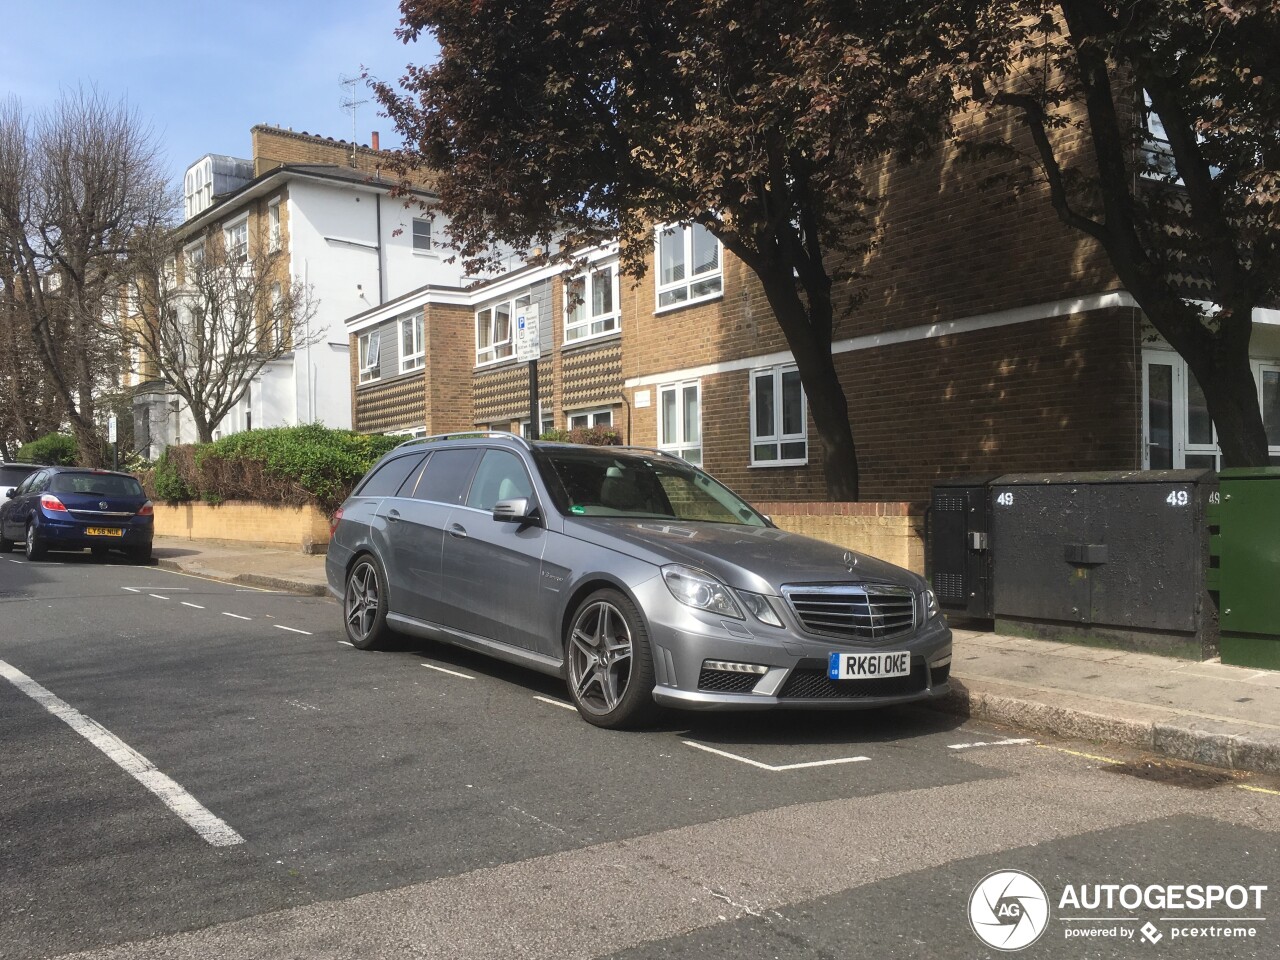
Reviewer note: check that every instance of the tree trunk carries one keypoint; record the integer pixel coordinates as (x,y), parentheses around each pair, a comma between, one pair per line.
(1226,377)
(811,348)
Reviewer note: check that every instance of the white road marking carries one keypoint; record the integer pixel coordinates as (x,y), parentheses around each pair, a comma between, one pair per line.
(11,560)
(768,766)
(131,589)
(281,626)
(214,830)
(236,615)
(195,605)
(989,743)
(346,643)
(452,673)
(556,703)
(195,576)
(157,596)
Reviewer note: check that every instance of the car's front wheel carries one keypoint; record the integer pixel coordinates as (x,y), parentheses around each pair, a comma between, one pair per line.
(610,666)
(364,605)
(34,548)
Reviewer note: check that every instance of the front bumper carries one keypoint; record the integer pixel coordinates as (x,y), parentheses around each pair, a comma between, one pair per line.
(683,640)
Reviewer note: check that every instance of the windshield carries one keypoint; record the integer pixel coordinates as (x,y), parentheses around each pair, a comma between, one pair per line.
(597,483)
(96,484)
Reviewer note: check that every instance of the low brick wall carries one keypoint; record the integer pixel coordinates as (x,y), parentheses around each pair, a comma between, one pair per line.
(267,525)
(890,531)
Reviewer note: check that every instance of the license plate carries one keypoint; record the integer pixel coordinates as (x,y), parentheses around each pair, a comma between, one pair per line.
(104,532)
(869,666)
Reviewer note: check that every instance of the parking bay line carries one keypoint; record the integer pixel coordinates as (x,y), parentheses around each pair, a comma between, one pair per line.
(452,673)
(990,743)
(771,767)
(555,703)
(236,615)
(211,828)
(281,626)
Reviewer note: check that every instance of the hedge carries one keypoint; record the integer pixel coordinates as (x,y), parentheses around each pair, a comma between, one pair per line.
(53,449)
(285,465)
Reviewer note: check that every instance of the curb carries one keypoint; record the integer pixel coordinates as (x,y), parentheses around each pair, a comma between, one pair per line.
(248,579)
(1178,741)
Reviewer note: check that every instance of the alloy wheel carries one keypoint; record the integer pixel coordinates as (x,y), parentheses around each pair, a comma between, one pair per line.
(361,602)
(600,656)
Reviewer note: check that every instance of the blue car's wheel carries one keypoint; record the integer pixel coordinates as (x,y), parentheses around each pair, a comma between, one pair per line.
(35,548)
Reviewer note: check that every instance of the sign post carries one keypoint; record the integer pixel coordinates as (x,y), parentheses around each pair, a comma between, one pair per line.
(528,348)
(115,443)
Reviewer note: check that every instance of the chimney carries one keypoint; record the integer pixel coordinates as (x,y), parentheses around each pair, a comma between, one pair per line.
(373,140)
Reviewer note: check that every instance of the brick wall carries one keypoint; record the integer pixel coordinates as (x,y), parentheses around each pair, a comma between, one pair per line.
(275,147)
(890,531)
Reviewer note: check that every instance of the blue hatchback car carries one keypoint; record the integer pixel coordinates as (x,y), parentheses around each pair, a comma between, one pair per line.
(74,508)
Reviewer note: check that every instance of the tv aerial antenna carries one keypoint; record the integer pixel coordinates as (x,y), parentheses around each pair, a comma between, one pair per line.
(352,103)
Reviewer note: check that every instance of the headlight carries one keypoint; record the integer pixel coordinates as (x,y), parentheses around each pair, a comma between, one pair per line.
(697,588)
(930,604)
(760,608)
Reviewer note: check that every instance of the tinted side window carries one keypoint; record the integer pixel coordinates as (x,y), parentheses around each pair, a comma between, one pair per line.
(26,484)
(386,480)
(501,477)
(37,483)
(444,478)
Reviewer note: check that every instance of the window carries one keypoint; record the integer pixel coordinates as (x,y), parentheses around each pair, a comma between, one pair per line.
(548,424)
(421,235)
(592,309)
(194,256)
(236,239)
(591,418)
(411,352)
(689,267)
(389,477)
(680,420)
(1269,390)
(277,317)
(493,330)
(369,350)
(444,479)
(778,426)
(273,226)
(501,476)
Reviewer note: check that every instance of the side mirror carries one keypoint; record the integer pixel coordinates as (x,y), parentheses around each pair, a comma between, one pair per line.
(518,510)
(10,492)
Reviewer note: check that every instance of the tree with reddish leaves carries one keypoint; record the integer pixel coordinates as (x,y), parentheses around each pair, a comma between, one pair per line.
(1178,104)
(556,124)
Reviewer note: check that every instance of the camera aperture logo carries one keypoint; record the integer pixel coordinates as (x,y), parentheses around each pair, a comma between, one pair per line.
(1008,910)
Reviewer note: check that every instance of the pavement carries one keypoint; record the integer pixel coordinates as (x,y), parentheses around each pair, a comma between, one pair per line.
(1203,712)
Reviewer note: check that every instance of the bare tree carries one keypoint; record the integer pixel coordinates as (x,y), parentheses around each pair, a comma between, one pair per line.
(213,317)
(77,183)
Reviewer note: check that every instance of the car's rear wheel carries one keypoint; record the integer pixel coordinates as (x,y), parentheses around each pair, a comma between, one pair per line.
(364,605)
(34,546)
(610,666)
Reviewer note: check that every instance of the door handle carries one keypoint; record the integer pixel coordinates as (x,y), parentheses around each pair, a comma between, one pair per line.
(394,516)
(458,531)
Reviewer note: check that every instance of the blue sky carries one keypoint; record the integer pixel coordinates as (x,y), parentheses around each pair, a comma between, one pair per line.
(202,79)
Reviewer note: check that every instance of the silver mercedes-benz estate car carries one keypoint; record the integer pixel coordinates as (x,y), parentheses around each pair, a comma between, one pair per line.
(632,574)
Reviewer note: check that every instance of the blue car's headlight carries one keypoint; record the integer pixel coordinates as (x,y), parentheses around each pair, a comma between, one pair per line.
(697,588)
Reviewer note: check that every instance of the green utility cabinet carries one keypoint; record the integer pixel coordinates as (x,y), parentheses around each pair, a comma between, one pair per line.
(1247,577)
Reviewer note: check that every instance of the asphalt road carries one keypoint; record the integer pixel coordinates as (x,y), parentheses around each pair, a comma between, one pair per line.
(192,769)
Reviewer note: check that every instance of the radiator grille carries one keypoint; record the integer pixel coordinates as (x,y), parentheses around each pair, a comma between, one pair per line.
(812,683)
(854,611)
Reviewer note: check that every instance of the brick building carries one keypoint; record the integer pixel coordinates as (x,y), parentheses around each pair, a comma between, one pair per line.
(988,338)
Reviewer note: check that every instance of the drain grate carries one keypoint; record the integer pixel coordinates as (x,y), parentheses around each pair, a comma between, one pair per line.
(1173,774)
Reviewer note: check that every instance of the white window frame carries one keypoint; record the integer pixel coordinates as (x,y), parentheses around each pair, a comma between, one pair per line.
(548,424)
(689,280)
(193,254)
(1180,412)
(273,226)
(413,236)
(415,359)
(236,249)
(277,320)
(369,352)
(681,446)
(580,324)
(499,351)
(778,438)
(1259,367)
(593,417)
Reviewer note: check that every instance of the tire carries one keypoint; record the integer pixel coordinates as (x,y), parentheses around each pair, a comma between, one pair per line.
(615,690)
(364,605)
(35,550)
(140,555)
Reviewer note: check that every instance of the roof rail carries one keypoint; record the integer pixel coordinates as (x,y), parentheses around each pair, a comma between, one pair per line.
(490,434)
(654,450)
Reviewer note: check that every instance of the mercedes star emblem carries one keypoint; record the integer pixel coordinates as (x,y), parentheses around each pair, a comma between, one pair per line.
(850,561)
